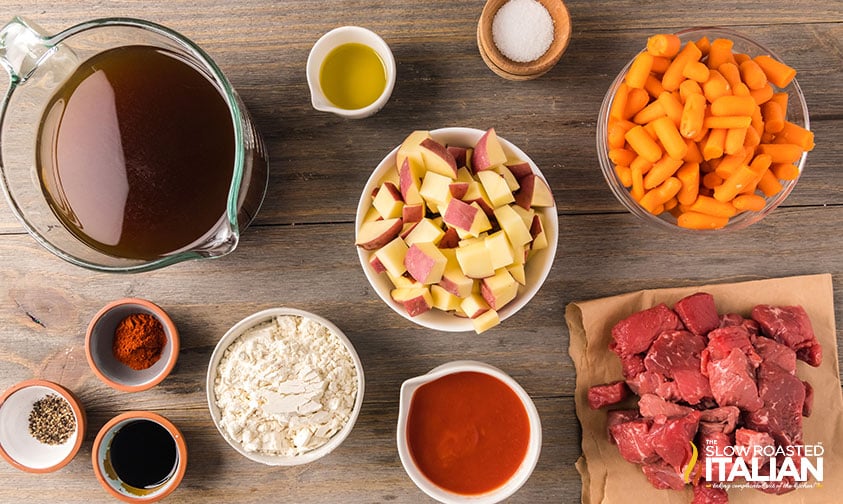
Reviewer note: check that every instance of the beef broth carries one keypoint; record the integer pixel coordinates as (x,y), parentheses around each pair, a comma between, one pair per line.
(136,153)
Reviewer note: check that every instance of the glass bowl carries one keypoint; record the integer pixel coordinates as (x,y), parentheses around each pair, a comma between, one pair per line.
(797,113)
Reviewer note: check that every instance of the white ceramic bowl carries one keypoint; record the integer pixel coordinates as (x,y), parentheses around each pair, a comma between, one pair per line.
(522,474)
(537,268)
(18,446)
(105,472)
(323,47)
(98,346)
(235,332)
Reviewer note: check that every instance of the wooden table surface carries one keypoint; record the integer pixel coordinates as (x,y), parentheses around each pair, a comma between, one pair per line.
(300,251)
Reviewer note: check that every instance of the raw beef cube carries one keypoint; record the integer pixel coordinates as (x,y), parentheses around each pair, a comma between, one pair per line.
(635,334)
(698,313)
(773,352)
(652,405)
(608,394)
(734,319)
(789,325)
(704,493)
(632,365)
(633,439)
(615,417)
(813,354)
(808,405)
(676,356)
(755,442)
(671,438)
(713,444)
(733,382)
(649,382)
(662,476)
(722,419)
(721,341)
(780,416)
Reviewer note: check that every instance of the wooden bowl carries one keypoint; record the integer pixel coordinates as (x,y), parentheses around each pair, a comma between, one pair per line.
(513,70)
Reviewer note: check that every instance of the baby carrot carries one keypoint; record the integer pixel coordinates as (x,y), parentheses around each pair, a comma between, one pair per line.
(731,73)
(662,169)
(637,189)
(727,122)
(781,99)
(693,114)
(666,45)
(712,206)
(720,52)
(660,64)
(733,106)
(752,139)
(704,45)
(638,71)
(740,89)
(777,72)
(696,71)
(749,202)
(729,164)
(624,174)
(643,144)
(689,175)
(781,153)
(636,100)
(785,171)
(649,113)
(693,155)
(671,204)
(769,184)
(687,88)
(795,134)
(740,58)
(773,117)
(617,129)
(736,182)
(660,195)
(752,75)
(653,86)
(619,101)
(672,77)
(672,106)
(621,157)
(762,94)
(711,180)
(670,138)
(734,140)
(714,143)
(696,220)
(716,86)
(641,164)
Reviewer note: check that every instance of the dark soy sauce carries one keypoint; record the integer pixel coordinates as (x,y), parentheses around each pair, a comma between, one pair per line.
(143,454)
(136,153)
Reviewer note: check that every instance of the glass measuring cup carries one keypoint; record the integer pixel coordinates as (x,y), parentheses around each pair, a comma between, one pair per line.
(38,65)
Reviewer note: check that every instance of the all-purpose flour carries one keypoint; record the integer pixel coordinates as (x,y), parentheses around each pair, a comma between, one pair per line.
(285,387)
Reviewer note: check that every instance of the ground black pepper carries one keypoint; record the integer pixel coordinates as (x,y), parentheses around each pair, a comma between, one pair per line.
(51,420)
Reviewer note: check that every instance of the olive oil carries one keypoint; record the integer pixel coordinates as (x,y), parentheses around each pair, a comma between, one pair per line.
(136,153)
(352,76)
(143,454)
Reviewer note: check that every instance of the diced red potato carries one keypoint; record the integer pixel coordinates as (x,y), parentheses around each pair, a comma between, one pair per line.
(460,154)
(458,189)
(437,158)
(412,213)
(600,396)
(488,152)
(375,234)
(416,300)
(533,192)
(409,184)
(376,264)
(450,239)
(425,263)
(520,170)
(460,214)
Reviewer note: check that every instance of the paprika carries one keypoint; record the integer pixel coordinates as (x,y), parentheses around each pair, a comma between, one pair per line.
(139,340)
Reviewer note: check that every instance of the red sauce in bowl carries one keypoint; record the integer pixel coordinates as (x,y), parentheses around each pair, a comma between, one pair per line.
(467,432)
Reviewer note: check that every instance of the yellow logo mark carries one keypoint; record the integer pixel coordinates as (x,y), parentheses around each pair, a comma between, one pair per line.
(691,463)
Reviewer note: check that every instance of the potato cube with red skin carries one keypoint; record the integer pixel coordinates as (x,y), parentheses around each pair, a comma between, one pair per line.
(508,176)
(474,305)
(424,231)
(458,189)
(425,262)
(377,233)
(475,260)
(485,321)
(376,264)
(444,300)
(518,273)
(391,256)
(437,158)
(496,188)
(469,218)
(409,182)
(500,250)
(476,194)
(608,394)
(499,289)
(416,300)
(410,148)
(453,279)
(534,192)
(512,224)
(488,152)
(520,169)
(436,188)
(450,239)
(388,201)
(412,213)
(460,155)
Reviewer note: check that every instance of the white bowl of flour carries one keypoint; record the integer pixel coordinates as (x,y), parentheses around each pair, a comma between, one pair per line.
(284,386)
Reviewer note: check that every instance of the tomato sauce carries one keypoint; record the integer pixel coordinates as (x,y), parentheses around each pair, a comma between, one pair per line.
(468,432)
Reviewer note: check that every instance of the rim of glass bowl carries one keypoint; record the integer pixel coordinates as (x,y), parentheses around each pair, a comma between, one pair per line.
(797,112)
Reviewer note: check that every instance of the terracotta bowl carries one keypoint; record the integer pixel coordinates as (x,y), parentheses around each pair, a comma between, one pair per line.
(18,446)
(108,477)
(98,346)
(514,70)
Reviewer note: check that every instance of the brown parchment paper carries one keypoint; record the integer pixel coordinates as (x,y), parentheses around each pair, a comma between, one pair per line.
(607,478)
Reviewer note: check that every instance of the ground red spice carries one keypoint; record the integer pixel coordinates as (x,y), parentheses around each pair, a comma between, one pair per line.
(139,340)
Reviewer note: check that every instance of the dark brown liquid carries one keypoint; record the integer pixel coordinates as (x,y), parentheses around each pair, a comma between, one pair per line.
(136,153)
(143,454)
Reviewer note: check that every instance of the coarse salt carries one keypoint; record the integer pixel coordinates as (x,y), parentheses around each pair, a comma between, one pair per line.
(285,387)
(522,30)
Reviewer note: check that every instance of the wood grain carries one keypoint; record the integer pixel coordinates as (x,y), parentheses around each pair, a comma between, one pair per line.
(300,253)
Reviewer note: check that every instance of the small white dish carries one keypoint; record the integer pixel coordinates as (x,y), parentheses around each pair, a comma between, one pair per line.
(522,474)
(18,446)
(327,43)
(235,332)
(536,269)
